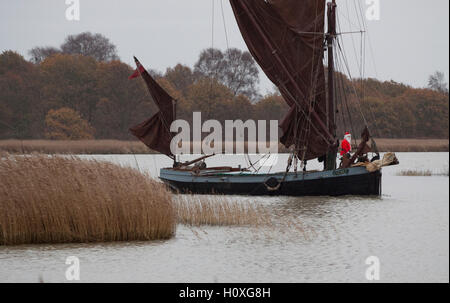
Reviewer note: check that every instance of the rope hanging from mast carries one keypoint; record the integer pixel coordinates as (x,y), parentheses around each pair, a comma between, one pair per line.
(344,67)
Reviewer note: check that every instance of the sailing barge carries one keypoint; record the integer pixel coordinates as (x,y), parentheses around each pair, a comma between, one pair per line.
(287,39)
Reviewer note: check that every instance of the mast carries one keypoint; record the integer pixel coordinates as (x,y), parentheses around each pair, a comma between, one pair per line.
(331,105)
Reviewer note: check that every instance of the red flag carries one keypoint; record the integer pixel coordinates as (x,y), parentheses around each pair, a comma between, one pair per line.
(137,72)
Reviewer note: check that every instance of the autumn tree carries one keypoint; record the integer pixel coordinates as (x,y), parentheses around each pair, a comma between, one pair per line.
(431,112)
(376,88)
(121,102)
(181,77)
(19,96)
(101,94)
(67,124)
(87,44)
(271,107)
(241,108)
(209,97)
(70,81)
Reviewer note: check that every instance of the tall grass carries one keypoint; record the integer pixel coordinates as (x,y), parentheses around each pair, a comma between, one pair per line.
(194,210)
(59,200)
(444,172)
(55,199)
(130,147)
(422,173)
(415,173)
(413,145)
(77,147)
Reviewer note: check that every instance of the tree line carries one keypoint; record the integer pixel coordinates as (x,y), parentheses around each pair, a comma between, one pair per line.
(81,91)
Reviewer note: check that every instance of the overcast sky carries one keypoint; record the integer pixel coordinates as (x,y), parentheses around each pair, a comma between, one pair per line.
(410,41)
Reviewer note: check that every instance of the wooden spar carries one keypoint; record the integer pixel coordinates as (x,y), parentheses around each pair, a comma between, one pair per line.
(331,102)
(362,148)
(330,137)
(330,40)
(178,164)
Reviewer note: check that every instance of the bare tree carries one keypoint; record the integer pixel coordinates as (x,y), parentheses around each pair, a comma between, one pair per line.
(39,54)
(210,64)
(234,68)
(241,73)
(87,44)
(437,82)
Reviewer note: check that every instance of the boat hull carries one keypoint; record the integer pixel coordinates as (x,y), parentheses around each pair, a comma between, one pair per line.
(352,181)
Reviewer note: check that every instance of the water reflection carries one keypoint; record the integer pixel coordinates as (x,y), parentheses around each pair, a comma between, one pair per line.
(318,206)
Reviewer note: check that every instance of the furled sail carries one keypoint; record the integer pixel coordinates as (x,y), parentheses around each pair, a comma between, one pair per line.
(155,132)
(286,38)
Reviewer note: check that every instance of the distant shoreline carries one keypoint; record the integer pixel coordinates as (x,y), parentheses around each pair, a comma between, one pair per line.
(135,147)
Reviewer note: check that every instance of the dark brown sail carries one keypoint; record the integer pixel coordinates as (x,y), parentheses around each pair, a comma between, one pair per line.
(155,132)
(286,38)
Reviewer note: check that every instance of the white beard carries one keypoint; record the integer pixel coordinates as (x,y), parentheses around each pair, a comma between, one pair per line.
(348,138)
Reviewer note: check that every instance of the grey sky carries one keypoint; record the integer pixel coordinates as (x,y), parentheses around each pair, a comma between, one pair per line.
(410,41)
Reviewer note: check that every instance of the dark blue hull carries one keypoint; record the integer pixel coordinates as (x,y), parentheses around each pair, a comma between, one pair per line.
(353,181)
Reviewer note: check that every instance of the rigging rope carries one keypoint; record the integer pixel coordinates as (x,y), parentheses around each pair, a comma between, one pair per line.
(345,97)
(346,65)
(375,69)
(212,24)
(341,76)
(365,35)
(224,25)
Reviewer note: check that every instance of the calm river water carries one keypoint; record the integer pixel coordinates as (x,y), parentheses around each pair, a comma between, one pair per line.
(407,229)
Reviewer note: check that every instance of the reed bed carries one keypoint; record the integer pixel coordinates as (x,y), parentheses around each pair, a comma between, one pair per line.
(415,173)
(413,145)
(194,210)
(49,199)
(423,173)
(444,173)
(76,147)
(135,147)
(55,199)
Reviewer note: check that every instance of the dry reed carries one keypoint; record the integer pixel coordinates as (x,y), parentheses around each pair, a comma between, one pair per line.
(444,173)
(64,199)
(77,147)
(219,211)
(415,173)
(413,145)
(54,199)
(130,147)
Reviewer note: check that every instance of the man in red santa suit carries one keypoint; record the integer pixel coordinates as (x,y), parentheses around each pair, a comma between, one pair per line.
(346,145)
